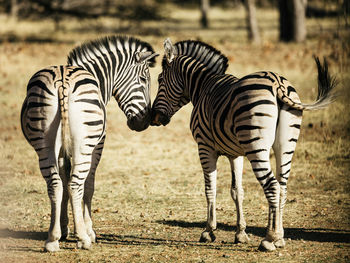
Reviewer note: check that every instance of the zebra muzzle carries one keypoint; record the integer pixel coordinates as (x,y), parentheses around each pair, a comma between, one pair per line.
(159,118)
(155,121)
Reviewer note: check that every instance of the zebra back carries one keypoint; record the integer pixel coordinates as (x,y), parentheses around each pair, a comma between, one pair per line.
(107,57)
(210,57)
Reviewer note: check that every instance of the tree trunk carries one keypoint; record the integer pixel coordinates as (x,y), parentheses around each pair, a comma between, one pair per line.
(292,20)
(14,9)
(253,29)
(204,10)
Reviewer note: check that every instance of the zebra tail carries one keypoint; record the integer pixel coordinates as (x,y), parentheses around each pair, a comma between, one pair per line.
(325,96)
(326,85)
(65,129)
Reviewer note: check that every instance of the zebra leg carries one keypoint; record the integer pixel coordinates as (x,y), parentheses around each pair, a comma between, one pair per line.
(89,190)
(208,162)
(260,162)
(287,135)
(54,184)
(76,191)
(237,194)
(64,168)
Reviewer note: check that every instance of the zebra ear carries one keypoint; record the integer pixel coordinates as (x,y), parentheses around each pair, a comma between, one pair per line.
(143,56)
(169,50)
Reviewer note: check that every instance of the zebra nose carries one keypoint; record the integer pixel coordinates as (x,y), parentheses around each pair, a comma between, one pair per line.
(159,118)
(140,122)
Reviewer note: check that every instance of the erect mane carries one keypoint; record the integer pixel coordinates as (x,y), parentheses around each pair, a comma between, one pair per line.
(216,62)
(121,44)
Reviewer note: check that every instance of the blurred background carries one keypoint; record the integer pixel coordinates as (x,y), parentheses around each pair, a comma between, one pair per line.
(161,17)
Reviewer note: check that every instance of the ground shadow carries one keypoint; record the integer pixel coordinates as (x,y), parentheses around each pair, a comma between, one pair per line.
(131,240)
(33,235)
(307,234)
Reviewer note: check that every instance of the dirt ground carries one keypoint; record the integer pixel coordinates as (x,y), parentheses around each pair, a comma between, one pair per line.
(149,204)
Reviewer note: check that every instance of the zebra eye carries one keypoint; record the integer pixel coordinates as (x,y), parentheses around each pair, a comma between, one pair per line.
(143,79)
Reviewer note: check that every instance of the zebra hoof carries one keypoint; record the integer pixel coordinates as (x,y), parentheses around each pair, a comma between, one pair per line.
(241,237)
(280,243)
(52,246)
(84,244)
(65,233)
(92,236)
(267,246)
(207,237)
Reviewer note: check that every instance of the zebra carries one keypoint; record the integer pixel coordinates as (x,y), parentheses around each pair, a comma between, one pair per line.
(63,118)
(237,117)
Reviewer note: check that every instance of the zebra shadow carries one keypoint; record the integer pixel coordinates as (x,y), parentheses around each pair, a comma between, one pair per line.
(144,241)
(32,235)
(307,234)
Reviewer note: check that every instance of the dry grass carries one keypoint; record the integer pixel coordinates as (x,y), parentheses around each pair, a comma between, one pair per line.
(149,203)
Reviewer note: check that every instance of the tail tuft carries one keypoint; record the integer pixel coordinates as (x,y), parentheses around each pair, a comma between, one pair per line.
(326,86)
(326,82)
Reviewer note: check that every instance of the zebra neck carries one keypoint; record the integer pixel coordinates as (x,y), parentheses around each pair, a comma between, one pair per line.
(195,78)
(109,74)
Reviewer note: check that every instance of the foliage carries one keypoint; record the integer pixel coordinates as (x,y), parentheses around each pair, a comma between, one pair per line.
(133,10)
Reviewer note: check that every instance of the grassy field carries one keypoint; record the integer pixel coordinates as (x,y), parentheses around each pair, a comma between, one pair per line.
(149,203)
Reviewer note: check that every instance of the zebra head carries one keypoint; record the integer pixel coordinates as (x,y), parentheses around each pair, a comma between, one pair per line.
(171,94)
(120,65)
(134,97)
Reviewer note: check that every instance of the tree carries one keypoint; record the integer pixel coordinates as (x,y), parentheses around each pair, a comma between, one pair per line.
(205,4)
(14,9)
(253,30)
(292,20)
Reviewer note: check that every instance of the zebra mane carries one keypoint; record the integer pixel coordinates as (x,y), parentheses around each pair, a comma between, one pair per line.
(120,44)
(210,57)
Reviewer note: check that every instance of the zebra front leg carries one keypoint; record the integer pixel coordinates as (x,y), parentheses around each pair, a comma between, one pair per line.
(209,168)
(237,194)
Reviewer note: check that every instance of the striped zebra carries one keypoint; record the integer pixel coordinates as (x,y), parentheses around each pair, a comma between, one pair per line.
(63,117)
(235,118)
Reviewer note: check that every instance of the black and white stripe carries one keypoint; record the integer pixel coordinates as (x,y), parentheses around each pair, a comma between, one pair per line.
(237,117)
(63,117)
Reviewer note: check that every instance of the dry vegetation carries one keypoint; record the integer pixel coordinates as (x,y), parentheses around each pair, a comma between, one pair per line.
(149,203)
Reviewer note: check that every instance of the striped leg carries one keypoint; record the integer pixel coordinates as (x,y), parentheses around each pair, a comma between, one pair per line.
(89,190)
(208,162)
(237,194)
(80,169)
(87,125)
(260,162)
(49,171)
(64,168)
(287,135)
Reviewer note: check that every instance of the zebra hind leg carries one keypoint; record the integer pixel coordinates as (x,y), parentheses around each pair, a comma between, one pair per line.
(89,190)
(287,135)
(54,184)
(64,168)
(76,192)
(237,194)
(260,162)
